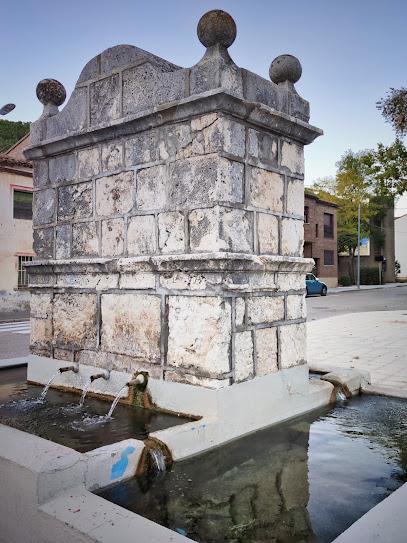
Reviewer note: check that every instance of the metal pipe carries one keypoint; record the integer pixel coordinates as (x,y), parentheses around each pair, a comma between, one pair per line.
(137,381)
(75,369)
(105,375)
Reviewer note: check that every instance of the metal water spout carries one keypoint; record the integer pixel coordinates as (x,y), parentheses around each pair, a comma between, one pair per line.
(140,379)
(136,381)
(75,369)
(105,374)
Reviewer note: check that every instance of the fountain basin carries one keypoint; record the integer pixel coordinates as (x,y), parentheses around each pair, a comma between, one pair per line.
(307,479)
(61,419)
(52,484)
(225,413)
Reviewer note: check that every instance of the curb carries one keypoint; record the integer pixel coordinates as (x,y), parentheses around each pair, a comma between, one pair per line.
(354,288)
(378,390)
(7,363)
(10,321)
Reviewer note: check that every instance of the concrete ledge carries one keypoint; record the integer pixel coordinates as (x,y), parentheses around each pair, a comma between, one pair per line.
(55,467)
(45,499)
(103,521)
(385,391)
(356,378)
(350,381)
(272,399)
(13,362)
(385,522)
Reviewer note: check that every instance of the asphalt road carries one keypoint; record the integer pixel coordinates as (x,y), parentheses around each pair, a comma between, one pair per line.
(341,303)
(14,339)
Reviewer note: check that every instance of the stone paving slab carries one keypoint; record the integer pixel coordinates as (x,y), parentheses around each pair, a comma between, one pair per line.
(375,341)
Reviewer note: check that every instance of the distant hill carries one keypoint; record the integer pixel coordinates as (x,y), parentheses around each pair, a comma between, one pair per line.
(11,132)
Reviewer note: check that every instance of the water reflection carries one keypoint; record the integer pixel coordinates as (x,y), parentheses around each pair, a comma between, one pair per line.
(304,481)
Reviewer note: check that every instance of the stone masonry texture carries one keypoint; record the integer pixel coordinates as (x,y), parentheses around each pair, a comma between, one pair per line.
(168,221)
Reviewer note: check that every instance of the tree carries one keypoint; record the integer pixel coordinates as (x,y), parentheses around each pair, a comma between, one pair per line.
(394,110)
(11,132)
(387,169)
(351,185)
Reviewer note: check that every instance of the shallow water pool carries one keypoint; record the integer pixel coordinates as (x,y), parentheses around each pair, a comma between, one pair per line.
(59,417)
(306,480)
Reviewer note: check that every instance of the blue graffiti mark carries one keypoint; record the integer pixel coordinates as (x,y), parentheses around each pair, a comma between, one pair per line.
(197,427)
(181,531)
(119,468)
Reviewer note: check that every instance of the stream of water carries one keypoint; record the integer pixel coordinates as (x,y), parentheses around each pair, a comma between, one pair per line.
(116,401)
(158,459)
(45,390)
(84,392)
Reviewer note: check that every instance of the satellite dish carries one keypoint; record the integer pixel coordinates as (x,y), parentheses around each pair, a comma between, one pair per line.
(7,108)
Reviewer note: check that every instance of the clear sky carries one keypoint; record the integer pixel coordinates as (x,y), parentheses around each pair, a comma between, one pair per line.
(351,51)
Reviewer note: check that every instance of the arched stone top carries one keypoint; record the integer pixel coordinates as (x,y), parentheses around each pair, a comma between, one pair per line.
(124,82)
(117,57)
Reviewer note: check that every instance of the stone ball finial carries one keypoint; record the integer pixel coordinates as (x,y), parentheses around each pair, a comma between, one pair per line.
(285,68)
(51,92)
(216,27)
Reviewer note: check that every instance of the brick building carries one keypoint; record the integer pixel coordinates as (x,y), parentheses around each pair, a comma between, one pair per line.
(372,254)
(320,238)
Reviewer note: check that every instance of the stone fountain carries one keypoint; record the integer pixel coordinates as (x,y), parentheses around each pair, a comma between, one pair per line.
(168,233)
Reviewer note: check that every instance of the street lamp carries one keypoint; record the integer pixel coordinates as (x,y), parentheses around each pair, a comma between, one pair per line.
(6,109)
(358,273)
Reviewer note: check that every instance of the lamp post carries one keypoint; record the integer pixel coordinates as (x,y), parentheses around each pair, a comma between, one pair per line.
(358,272)
(6,109)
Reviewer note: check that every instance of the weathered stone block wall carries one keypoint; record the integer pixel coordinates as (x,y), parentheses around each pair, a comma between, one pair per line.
(168,221)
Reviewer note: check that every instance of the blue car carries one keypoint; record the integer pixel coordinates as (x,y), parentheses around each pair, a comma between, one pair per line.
(314,285)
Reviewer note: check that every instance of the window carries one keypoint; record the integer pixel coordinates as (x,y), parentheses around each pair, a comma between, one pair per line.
(329,258)
(22,205)
(22,272)
(316,230)
(328,225)
(306,212)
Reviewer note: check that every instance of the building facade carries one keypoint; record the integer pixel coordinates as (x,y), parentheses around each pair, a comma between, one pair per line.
(320,238)
(375,253)
(16,186)
(400,241)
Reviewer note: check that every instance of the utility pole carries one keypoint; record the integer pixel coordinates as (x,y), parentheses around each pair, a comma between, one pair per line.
(358,272)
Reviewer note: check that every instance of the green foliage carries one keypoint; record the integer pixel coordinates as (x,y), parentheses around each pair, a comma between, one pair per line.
(394,110)
(347,240)
(370,275)
(387,169)
(345,281)
(349,187)
(358,180)
(397,267)
(11,132)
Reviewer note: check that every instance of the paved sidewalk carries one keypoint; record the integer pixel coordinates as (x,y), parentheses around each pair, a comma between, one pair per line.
(366,287)
(374,341)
